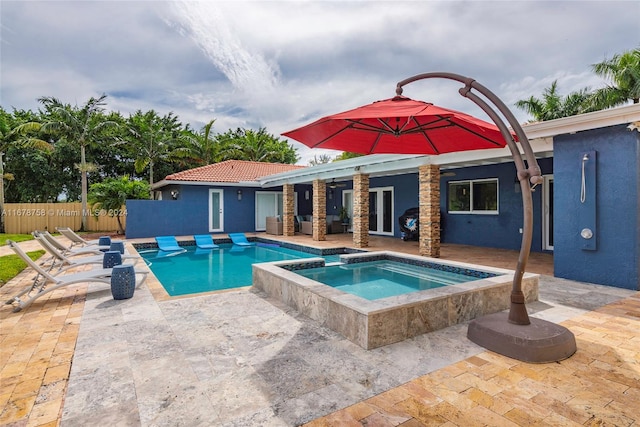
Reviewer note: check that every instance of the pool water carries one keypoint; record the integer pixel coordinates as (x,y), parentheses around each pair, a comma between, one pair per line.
(380,279)
(198,270)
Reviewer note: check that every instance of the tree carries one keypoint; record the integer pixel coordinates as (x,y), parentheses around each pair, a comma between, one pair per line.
(345,155)
(624,71)
(554,106)
(80,127)
(320,160)
(257,146)
(154,139)
(202,147)
(18,136)
(112,193)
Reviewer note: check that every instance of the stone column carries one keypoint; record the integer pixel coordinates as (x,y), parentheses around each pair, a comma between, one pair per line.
(361,210)
(288,224)
(429,195)
(319,210)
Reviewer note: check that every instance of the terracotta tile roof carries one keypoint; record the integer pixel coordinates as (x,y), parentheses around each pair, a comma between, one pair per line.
(231,171)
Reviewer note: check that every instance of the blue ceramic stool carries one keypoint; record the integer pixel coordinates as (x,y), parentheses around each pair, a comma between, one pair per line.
(111,259)
(117,246)
(123,281)
(104,241)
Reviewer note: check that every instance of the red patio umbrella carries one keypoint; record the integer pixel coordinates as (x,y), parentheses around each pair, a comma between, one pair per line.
(399,125)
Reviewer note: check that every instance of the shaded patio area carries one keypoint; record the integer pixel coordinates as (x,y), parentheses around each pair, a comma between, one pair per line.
(235,358)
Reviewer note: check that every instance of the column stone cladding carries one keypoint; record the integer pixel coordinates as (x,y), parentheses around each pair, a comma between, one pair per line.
(319,223)
(429,189)
(288,224)
(361,210)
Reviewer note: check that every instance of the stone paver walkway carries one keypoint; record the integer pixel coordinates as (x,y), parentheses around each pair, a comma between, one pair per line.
(459,385)
(598,386)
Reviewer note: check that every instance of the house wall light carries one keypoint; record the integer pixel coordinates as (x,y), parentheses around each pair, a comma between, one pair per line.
(175,194)
(306,195)
(239,194)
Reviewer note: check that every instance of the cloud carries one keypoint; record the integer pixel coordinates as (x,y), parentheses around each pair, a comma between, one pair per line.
(282,64)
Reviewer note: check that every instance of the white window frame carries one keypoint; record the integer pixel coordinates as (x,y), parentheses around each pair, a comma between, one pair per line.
(471,211)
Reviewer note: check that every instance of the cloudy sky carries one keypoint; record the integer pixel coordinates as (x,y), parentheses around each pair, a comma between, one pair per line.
(283,64)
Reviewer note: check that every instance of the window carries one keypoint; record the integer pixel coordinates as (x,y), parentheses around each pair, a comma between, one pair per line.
(476,196)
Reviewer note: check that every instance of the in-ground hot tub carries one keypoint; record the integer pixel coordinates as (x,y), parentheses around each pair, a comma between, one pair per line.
(378,322)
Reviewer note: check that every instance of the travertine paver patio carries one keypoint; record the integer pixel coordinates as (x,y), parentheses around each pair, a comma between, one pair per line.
(235,358)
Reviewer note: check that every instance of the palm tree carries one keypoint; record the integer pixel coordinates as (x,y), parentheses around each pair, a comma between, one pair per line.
(19,135)
(202,147)
(624,72)
(112,194)
(257,146)
(80,127)
(154,138)
(554,106)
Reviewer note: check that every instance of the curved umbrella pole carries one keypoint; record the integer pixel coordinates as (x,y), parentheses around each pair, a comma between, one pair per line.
(541,341)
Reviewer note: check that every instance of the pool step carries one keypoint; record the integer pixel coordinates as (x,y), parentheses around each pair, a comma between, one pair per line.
(435,276)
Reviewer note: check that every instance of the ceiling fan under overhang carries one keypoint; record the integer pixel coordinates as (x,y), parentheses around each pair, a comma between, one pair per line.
(333,184)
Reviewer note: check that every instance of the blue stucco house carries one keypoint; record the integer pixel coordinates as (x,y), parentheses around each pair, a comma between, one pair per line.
(586,212)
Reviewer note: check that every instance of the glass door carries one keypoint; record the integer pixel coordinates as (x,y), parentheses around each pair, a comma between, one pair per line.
(268,203)
(216,211)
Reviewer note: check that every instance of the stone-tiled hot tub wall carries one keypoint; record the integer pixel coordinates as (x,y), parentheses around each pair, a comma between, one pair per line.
(372,324)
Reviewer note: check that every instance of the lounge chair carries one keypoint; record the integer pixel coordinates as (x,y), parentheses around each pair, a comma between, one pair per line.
(169,245)
(77,240)
(240,239)
(65,262)
(205,241)
(46,282)
(69,251)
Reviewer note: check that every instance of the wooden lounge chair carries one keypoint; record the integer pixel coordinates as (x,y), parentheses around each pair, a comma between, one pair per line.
(205,241)
(46,282)
(240,239)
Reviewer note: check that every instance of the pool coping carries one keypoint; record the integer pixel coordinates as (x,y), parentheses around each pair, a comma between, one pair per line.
(372,324)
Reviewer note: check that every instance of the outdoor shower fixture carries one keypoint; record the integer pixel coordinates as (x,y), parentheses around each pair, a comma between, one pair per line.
(513,334)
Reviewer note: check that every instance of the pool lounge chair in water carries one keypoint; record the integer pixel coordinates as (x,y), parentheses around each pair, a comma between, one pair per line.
(205,241)
(46,282)
(168,246)
(240,239)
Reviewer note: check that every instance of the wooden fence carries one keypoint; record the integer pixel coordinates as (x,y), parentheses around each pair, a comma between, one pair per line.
(21,218)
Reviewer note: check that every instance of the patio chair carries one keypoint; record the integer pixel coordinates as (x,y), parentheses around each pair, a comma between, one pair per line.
(77,240)
(69,251)
(46,282)
(169,246)
(64,262)
(205,241)
(240,239)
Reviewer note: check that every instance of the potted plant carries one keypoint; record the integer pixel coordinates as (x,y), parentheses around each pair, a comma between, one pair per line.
(344,215)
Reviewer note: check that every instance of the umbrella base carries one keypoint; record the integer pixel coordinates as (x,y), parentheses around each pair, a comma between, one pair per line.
(539,342)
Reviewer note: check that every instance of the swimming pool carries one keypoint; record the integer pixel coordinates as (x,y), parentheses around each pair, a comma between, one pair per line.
(198,270)
(386,320)
(380,279)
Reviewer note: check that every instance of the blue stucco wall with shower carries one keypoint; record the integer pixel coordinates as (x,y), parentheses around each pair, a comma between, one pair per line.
(602,197)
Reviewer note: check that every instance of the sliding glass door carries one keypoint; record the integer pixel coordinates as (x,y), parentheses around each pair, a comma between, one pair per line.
(268,203)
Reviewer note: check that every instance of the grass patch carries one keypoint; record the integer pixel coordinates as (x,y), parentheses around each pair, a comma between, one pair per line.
(15,237)
(12,265)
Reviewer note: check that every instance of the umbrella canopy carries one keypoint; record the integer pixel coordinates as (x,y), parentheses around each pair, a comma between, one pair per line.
(399,125)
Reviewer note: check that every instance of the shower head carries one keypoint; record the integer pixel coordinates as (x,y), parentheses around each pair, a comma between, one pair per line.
(585,157)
